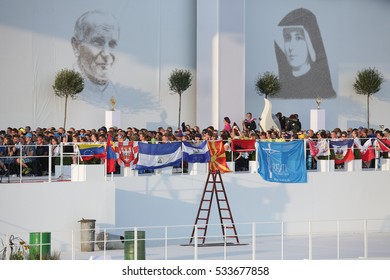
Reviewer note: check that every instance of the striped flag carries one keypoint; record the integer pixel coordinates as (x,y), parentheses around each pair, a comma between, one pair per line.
(110,156)
(343,150)
(319,148)
(154,156)
(90,151)
(384,145)
(367,150)
(193,152)
(243,145)
(217,156)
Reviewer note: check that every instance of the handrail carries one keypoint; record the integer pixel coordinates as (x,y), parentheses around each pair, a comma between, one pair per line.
(75,155)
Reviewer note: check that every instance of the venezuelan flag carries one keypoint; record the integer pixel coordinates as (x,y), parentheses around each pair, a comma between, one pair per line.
(90,151)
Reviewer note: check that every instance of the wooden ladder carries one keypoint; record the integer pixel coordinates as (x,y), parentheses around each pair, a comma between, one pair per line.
(215,186)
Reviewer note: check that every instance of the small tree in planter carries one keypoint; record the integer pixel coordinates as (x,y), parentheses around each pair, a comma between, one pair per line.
(179,81)
(68,83)
(368,82)
(267,84)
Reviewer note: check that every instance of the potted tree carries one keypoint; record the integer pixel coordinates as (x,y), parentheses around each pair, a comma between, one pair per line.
(68,83)
(368,82)
(179,81)
(267,84)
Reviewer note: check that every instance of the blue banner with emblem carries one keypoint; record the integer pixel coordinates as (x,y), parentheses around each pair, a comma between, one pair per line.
(282,162)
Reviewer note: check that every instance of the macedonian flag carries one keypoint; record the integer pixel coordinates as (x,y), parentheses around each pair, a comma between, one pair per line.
(217,157)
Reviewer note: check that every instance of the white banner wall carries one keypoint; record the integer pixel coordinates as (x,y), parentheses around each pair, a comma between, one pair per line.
(154,38)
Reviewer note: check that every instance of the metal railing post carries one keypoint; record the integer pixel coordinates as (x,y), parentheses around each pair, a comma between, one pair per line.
(253,241)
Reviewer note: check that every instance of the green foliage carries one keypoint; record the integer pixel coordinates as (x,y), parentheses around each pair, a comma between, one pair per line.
(368,81)
(179,80)
(56,255)
(267,84)
(68,83)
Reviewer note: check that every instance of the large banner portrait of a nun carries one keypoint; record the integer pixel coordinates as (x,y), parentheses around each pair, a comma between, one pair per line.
(301,57)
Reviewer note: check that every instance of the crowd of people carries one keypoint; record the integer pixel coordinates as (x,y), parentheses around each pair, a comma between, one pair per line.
(29,149)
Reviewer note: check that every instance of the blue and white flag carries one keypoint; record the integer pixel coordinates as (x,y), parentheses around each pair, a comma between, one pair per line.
(154,156)
(193,152)
(282,162)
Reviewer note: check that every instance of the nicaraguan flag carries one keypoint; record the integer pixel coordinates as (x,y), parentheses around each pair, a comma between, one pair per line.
(154,156)
(193,152)
(90,151)
(343,150)
(282,162)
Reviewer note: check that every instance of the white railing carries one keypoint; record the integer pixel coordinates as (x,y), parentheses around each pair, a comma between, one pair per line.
(16,174)
(336,239)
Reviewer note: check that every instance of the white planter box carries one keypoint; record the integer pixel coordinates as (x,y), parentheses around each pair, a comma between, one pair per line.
(385,164)
(87,172)
(197,168)
(64,173)
(164,171)
(354,165)
(128,172)
(324,165)
(253,166)
(232,166)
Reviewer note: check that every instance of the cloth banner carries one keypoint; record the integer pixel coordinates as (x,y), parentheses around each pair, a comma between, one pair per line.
(241,145)
(318,148)
(384,145)
(110,156)
(90,151)
(154,156)
(127,154)
(193,152)
(343,150)
(217,157)
(282,162)
(367,150)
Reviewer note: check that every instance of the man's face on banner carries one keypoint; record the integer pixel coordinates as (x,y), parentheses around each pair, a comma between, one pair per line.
(97,54)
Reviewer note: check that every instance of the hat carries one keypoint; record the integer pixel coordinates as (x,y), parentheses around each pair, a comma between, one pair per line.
(198,135)
(28,135)
(179,135)
(22,130)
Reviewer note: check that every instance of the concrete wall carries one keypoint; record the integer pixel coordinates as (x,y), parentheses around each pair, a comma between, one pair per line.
(174,200)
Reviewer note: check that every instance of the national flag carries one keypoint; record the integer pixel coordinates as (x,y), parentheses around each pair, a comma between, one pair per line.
(127,154)
(319,148)
(193,152)
(367,150)
(282,162)
(384,145)
(90,151)
(343,150)
(154,156)
(217,157)
(243,145)
(110,156)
